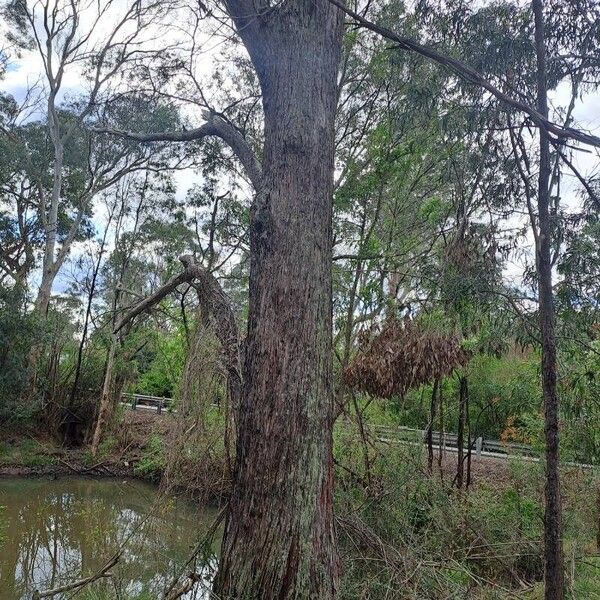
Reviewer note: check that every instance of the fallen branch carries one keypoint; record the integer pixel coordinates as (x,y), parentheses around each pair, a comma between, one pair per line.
(219,307)
(184,588)
(185,276)
(75,585)
(172,590)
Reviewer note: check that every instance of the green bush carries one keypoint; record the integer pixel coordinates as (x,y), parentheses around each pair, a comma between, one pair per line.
(18,332)
(153,461)
(406,534)
(162,375)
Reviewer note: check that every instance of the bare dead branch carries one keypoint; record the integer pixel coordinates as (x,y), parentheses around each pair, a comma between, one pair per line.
(104,572)
(153,298)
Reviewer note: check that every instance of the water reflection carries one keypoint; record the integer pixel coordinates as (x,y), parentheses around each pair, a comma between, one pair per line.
(53,532)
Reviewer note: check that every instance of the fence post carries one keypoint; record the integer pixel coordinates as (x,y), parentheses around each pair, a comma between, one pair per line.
(133,402)
(478,445)
(160,403)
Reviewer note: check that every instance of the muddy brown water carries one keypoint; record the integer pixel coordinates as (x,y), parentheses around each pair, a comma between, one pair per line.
(53,532)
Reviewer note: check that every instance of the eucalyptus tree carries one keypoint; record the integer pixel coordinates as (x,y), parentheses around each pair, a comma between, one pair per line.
(20,230)
(279,539)
(97,44)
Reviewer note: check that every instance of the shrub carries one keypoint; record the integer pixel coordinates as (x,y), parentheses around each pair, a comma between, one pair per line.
(152,462)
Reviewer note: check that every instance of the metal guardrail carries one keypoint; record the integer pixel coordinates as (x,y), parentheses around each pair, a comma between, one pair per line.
(399,433)
(146,402)
(450,441)
(441,440)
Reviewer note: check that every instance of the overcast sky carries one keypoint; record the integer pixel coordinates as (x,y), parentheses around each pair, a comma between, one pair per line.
(28,70)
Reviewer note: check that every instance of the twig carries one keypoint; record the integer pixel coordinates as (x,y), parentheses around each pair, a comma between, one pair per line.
(104,572)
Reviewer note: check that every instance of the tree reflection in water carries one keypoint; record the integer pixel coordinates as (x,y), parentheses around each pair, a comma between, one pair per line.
(57,531)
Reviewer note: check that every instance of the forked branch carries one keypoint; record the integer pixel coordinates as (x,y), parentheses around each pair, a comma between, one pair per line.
(214,126)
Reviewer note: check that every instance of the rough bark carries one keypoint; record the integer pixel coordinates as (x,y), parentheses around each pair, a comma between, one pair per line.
(434,394)
(279,540)
(553,555)
(460,461)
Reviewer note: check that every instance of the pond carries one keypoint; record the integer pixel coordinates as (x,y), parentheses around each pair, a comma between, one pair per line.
(53,532)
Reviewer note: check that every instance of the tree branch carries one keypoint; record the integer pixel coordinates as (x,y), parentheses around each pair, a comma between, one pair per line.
(153,298)
(472,76)
(214,126)
(219,306)
(586,184)
(104,572)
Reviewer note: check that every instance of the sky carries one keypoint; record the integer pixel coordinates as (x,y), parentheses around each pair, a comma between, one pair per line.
(28,70)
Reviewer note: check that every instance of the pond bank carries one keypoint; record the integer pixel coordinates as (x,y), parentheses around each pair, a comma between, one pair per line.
(135,449)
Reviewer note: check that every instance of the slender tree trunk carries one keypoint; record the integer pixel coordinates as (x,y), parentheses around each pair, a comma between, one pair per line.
(364,442)
(469,440)
(88,314)
(598,519)
(462,396)
(434,394)
(279,540)
(106,400)
(442,434)
(553,559)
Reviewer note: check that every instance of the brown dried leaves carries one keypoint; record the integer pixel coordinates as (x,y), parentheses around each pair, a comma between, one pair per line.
(403,356)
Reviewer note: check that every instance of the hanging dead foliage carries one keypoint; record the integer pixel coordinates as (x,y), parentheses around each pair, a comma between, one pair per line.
(403,356)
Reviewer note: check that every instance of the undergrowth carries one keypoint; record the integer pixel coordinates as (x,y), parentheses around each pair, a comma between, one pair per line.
(405,533)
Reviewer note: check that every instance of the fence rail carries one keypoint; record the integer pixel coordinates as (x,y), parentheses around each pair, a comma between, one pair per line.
(386,433)
(449,441)
(146,402)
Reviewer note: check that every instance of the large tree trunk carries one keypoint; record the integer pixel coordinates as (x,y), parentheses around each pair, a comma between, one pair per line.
(553,559)
(279,540)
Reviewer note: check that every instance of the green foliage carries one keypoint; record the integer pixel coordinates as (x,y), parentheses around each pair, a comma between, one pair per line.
(105,448)
(152,461)
(27,452)
(403,530)
(18,332)
(587,582)
(164,368)
(2,526)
